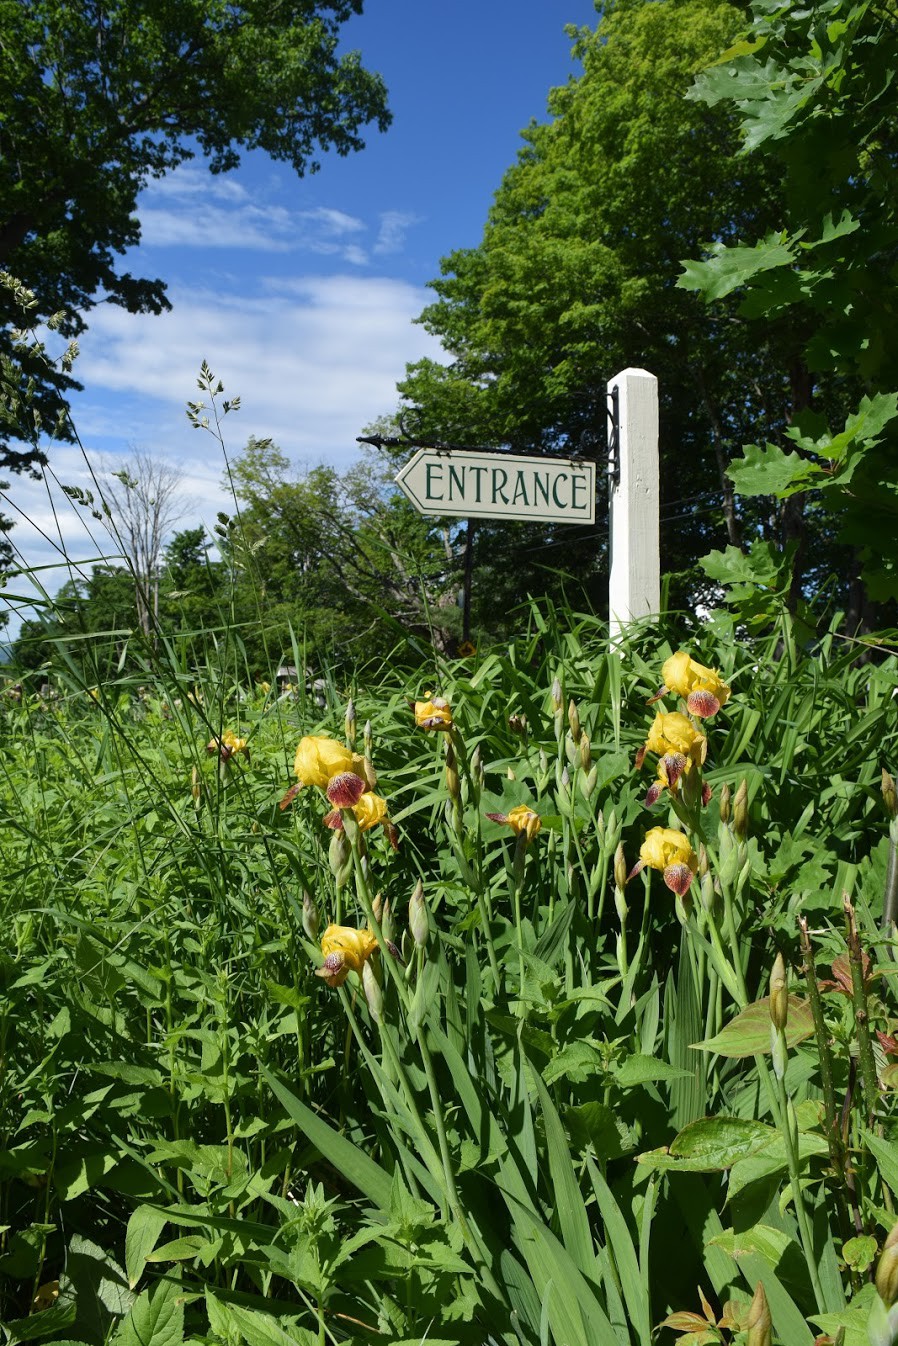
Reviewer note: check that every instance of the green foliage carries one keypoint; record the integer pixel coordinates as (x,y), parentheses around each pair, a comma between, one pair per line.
(346,550)
(202,1141)
(99,98)
(814,89)
(575,279)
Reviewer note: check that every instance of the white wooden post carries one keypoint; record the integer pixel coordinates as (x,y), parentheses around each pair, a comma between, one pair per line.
(634,585)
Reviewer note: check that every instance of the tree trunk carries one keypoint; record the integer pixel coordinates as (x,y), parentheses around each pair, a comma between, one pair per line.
(734,531)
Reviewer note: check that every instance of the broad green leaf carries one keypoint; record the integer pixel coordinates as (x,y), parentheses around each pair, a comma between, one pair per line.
(98,1284)
(598,1125)
(254,1327)
(762,565)
(645,1070)
(577,1061)
(730,267)
(710,1145)
(833,229)
(749,1033)
(854,1318)
(872,416)
(44,1324)
(74,1177)
(144,1227)
(768,470)
(356,1166)
(182,1249)
(885,1153)
(771,1159)
(767,1242)
(156,1318)
(860,1253)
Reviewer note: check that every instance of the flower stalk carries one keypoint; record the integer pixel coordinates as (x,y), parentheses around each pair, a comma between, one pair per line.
(779,1013)
(866,1060)
(833,1131)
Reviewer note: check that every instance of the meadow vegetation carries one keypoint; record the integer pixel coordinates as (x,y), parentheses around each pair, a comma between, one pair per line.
(361,982)
(461,1076)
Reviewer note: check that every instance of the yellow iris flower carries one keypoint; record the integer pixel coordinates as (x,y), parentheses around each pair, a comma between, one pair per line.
(345,950)
(521,819)
(674,732)
(433,712)
(370,810)
(703,689)
(228,746)
(670,852)
(319,759)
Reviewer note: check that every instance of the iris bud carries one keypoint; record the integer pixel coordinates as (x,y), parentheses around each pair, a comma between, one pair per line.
(779,994)
(373,993)
(887,1270)
(418,920)
(620,868)
(573,719)
(740,811)
(309,916)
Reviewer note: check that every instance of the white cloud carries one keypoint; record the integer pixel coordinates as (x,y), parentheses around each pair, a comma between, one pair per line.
(314,360)
(58,539)
(393,226)
(192,208)
(191,180)
(204,225)
(336,222)
(259,228)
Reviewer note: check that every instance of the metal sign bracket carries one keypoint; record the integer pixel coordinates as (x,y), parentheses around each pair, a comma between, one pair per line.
(613,414)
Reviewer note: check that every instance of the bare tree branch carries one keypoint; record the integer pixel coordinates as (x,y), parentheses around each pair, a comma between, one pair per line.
(144,500)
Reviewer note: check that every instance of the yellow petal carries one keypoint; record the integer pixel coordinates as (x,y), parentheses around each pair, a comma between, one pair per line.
(684,675)
(433,714)
(523,819)
(319,759)
(355,945)
(674,732)
(370,810)
(663,847)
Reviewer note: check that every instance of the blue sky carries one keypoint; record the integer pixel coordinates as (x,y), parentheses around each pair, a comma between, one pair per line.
(301,293)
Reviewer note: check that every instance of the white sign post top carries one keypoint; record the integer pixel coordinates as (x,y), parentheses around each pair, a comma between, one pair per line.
(499,486)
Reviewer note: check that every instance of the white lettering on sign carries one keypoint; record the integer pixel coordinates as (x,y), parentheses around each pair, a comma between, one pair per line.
(499,486)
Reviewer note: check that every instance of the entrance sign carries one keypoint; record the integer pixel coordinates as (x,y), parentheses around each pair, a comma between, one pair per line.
(499,486)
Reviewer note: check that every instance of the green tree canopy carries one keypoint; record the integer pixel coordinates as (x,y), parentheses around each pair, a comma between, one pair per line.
(814,88)
(98,98)
(343,555)
(576,278)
